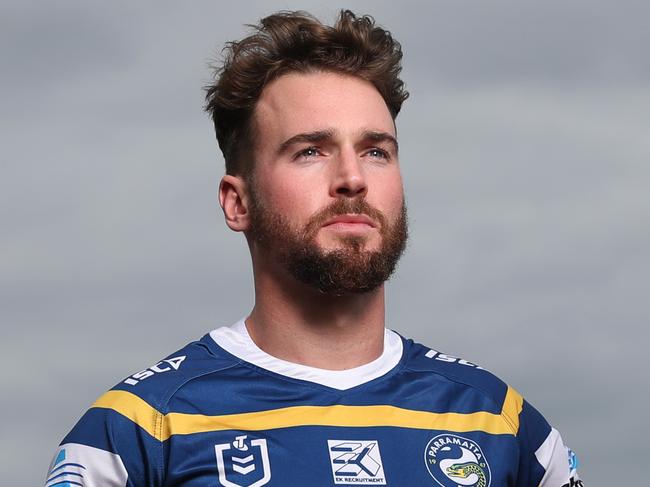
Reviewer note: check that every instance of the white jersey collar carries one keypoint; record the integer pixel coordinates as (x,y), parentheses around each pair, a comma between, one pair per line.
(236,340)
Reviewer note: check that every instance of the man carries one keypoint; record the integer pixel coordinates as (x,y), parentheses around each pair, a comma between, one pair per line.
(310,388)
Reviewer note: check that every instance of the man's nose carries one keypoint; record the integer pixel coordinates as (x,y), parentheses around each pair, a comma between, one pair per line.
(348,177)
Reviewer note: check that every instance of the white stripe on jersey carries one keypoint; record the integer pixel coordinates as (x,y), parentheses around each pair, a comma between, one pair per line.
(554,457)
(87,466)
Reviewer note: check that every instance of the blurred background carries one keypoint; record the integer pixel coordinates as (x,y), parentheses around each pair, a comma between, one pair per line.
(525,153)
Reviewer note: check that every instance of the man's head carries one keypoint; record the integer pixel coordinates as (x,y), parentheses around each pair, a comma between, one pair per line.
(312,160)
(295,42)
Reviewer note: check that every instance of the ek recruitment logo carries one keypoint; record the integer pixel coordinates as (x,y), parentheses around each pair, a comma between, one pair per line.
(356,462)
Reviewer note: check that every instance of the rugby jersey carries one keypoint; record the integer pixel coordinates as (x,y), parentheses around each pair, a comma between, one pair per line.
(222,412)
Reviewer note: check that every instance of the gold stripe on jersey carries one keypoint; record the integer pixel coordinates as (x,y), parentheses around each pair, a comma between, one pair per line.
(512,405)
(340,416)
(136,409)
(162,426)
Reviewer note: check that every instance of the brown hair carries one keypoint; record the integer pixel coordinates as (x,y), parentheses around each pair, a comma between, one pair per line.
(289,42)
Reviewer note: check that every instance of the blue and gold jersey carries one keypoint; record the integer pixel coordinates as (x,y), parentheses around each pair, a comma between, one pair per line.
(221,412)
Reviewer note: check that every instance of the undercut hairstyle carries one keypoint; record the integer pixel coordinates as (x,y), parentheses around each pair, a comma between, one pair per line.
(289,42)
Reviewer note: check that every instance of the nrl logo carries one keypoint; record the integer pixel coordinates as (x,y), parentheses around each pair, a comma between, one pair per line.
(243,463)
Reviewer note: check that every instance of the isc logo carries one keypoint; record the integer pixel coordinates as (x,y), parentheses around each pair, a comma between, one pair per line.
(434,354)
(162,366)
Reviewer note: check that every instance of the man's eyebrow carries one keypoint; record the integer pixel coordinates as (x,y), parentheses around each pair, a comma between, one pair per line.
(376,136)
(316,136)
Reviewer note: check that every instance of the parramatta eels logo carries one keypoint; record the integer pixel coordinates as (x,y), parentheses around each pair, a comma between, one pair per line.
(243,463)
(455,461)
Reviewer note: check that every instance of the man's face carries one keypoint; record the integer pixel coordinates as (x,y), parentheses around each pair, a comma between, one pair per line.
(327,197)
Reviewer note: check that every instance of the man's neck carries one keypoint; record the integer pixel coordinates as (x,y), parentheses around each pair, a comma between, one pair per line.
(298,324)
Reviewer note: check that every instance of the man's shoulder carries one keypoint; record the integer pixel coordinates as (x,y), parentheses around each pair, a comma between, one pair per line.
(438,367)
(139,403)
(157,384)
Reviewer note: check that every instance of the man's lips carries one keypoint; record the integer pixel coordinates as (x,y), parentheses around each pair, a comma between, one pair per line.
(351,221)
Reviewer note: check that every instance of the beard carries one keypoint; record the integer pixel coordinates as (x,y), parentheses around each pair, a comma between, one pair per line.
(345,270)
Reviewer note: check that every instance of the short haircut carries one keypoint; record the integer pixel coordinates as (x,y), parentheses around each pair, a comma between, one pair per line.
(296,42)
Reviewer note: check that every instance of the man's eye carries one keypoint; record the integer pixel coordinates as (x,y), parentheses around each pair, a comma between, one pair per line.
(378,154)
(308,152)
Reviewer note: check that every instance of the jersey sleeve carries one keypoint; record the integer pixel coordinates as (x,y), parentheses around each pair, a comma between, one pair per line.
(106,449)
(120,440)
(544,461)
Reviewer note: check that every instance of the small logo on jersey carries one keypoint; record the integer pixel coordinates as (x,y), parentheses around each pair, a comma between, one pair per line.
(455,461)
(574,482)
(243,463)
(356,462)
(162,366)
(65,474)
(573,460)
(441,357)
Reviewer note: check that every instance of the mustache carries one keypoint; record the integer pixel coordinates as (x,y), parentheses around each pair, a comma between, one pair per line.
(345,206)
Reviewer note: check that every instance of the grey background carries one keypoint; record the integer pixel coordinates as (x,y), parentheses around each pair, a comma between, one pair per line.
(525,156)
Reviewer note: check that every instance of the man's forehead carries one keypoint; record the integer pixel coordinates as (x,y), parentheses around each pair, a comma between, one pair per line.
(309,102)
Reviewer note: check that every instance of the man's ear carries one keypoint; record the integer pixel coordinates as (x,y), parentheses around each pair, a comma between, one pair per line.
(234,200)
